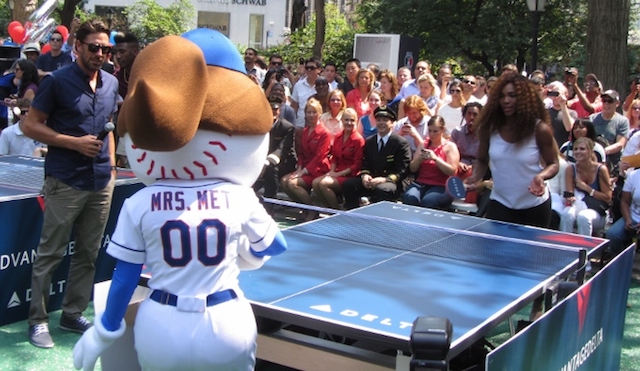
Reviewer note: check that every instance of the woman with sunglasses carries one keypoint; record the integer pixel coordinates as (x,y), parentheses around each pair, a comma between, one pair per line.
(452,112)
(27,73)
(367,125)
(346,161)
(332,120)
(358,97)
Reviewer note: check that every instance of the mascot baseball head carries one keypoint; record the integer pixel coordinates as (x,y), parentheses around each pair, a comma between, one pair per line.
(193,113)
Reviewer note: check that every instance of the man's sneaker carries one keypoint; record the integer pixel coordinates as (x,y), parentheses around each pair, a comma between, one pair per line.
(39,336)
(79,325)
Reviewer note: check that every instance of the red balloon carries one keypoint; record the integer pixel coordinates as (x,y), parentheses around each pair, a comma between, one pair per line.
(63,31)
(18,34)
(46,48)
(12,25)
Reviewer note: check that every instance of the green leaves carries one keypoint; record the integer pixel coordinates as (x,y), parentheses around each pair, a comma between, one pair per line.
(150,21)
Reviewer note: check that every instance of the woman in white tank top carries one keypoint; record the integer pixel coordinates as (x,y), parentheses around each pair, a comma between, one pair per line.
(517,145)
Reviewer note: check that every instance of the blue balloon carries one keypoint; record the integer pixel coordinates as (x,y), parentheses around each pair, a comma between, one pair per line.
(113,34)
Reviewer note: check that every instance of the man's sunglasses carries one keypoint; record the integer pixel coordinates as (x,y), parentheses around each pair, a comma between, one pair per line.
(93,48)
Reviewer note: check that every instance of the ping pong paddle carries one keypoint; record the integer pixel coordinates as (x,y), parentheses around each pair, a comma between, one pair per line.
(455,187)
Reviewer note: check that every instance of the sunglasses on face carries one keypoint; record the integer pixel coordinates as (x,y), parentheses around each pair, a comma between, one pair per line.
(55,39)
(635,108)
(609,101)
(455,91)
(470,82)
(276,63)
(93,48)
(309,68)
(553,94)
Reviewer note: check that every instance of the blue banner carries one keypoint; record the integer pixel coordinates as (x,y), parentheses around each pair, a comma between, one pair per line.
(20,235)
(583,332)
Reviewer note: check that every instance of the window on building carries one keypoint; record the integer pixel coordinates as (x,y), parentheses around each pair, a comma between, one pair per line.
(215,21)
(256,30)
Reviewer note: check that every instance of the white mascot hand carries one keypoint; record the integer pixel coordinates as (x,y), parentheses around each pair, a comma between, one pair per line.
(93,342)
(246,260)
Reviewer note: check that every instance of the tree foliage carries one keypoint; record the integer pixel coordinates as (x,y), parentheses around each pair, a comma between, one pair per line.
(338,42)
(483,34)
(150,21)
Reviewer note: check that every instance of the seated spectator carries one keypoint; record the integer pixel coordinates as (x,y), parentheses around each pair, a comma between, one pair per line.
(56,58)
(332,119)
(561,116)
(557,186)
(358,97)
(346,161)
(322,92)
(434,162)
(452,112)
(633,115)
(281,158)
(27,73)
(367,125)
(386,157)
(621,232)
(612,126)
(312,157)
(427,84)
(587,191)
(12,139)
(582,128)
(413,127)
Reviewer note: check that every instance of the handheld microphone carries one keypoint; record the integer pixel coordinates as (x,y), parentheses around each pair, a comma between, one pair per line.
(108,127)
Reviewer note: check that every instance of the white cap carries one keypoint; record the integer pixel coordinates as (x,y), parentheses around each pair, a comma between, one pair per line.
(31,47)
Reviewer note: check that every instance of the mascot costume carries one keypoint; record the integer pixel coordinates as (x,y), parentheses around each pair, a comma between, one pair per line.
(196,131)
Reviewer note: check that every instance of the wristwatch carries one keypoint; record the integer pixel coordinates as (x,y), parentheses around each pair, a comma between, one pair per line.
(114,167)
(593,190)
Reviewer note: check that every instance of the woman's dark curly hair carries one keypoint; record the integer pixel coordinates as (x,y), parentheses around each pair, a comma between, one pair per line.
(529,108)
(29,75)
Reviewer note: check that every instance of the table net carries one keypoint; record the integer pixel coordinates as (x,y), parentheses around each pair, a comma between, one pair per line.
(460,245)
(21,176)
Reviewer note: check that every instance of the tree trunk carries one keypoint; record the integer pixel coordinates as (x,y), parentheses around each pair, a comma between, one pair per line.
(608,25)
(321,22)
(68,12)
(22,9)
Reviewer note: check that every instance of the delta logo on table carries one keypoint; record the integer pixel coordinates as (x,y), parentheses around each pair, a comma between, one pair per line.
(368,317)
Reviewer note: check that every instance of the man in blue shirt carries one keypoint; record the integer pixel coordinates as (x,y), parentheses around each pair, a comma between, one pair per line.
(70,109)
(56,58)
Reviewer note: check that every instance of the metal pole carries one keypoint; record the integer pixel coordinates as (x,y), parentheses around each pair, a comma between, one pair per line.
(535,20)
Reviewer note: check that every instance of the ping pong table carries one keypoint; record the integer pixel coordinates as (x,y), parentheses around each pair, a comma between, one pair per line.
(369,273)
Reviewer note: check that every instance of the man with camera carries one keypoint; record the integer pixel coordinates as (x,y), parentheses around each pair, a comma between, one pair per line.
(283,75)
(587,102)
(561,116)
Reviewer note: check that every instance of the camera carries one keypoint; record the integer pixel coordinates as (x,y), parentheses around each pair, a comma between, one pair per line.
(279,71)
(553,94)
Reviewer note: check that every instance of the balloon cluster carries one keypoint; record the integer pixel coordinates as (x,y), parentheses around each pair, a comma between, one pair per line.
(38,26)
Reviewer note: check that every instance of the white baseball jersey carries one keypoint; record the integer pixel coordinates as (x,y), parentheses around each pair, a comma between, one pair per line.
(187,233)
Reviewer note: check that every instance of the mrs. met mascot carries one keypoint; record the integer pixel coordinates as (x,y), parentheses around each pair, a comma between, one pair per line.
(196,131)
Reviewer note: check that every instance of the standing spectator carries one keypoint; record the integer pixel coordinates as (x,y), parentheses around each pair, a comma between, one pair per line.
(351,67)
(515,138)
(411,87)
(427,85)
(634,94)
(508,68)
(270,79)
(561,116)
(434,161)
(466,139)
(481,90)
(582,128)
(452,112)
(303,90)
(281,158)
(386,157)
(570,78)
(587,102)
(491,81)
(403,75)
(126,50)
(388,85)
(443,81)
(414,126)
(252,66)
(313,158)
(72,106)
(346,161)
(612,126)
(368,125)
(358,98)
(31,51)
(286,112)
(322,92)
(587,192)
(276,63)
(469,88)
(12,139)
(54,59)
(332,119)
(329,72)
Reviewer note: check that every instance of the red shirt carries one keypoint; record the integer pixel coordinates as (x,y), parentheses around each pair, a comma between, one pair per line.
(358,103)
(429,173)
(314,149)
(348,154)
